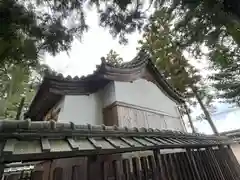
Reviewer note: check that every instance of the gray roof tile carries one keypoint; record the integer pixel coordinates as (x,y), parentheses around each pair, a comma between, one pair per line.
(54,85)
(26,140)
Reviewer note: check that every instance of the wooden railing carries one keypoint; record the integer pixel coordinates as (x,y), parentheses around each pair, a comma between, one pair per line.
(193,164)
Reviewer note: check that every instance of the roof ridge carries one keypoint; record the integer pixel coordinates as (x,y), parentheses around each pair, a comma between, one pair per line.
(141,58)
(56,75)
(15,125)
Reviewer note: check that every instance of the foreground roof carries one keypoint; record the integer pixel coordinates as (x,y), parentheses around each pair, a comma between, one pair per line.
(28,141)
(233,134)
(54,86)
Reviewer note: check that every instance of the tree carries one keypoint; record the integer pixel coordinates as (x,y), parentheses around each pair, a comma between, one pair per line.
(28,27)
(160,41)
(226,77)
(17,89)
(113,58)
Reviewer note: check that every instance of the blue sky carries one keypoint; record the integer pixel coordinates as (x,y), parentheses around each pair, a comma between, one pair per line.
(97,42)
(225,118)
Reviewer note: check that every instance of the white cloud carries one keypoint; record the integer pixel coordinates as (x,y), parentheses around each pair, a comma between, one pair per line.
(84,56)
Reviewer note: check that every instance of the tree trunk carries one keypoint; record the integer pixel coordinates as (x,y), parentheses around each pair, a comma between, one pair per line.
(20,107)
(189,119)
(205,111)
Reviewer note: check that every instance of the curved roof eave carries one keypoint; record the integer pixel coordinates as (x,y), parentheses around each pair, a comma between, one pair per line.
(54,83)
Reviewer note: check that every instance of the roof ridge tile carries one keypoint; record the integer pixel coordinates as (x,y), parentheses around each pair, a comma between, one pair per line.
(21,125)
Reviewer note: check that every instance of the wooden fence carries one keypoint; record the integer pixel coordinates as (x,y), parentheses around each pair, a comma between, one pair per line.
(193,164)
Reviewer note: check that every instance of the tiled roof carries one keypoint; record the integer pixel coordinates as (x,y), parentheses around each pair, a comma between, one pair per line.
(235,132)
(54,85)
(26,140)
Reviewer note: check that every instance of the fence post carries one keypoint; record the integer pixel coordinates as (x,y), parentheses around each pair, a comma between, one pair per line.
(157,157)
(1,170)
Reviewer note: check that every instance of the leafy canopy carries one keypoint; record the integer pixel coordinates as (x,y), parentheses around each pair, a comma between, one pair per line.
(113,58)
(33,26)
(160,40)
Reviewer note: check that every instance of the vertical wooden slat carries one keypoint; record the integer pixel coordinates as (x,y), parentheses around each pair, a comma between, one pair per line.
(126,169)
(200,165)
(1,170)
(217,167)
(213,167)
(105,168)
(207,165)
(23,175)
(136,168)
(117,170)
(182,167)
(174,166)
(79,172)
(221,160)
(187,166)
(58,173)
(144,167)
(165,166)
(228,175)
(13,177)
(179,172)
(193,164)
(37,175)
(153,168)
(158,160)
(229,163)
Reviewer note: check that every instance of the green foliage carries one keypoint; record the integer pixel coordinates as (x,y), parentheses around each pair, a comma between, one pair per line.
(226,77)
(30,27)
(161,42)
(113,58)
(16,83)
(214,24)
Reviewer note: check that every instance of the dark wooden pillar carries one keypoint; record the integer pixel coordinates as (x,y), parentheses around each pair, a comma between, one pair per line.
(1,170)
(159,164)
(110,115)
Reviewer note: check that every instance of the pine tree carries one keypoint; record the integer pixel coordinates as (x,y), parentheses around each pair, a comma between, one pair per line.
(17,89)
(28,27)
(113,58)
(159,40)
(226,77)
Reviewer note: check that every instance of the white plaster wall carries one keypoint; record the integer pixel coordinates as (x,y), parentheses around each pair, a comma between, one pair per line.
(145,94)
(108,94)
(82,109)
